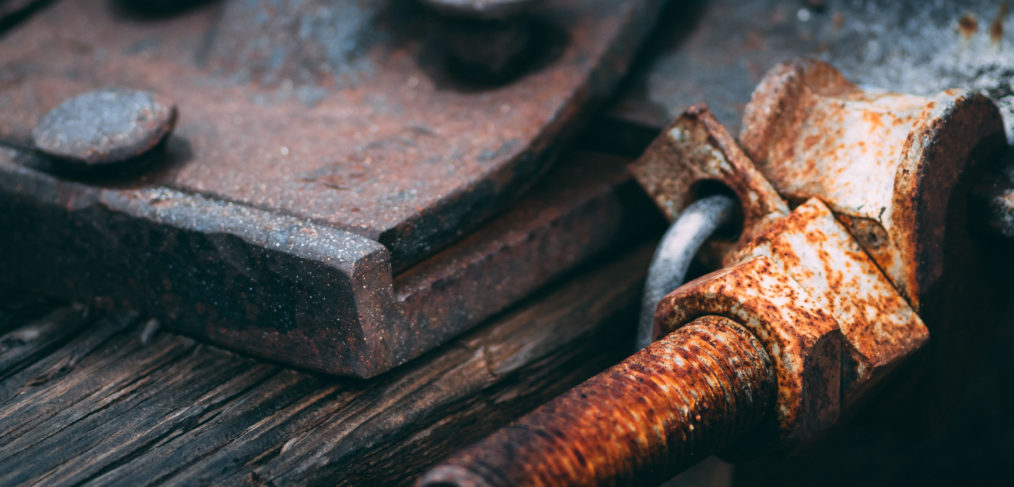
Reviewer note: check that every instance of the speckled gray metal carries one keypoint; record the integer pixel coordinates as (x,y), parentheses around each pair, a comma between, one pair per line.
(717,51)
(105,126)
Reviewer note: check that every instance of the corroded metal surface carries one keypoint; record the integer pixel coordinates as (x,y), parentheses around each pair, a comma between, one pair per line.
(879,327)
(686,395)
(695,149)
(324,156)
(300,285)
(802,338)
(888,164)
(718,50)
(336,112)
(832,322)
(105,126)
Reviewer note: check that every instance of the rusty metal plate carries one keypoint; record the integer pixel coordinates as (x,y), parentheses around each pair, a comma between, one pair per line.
(342,113)
(717,51)
(296,291)
(320,148)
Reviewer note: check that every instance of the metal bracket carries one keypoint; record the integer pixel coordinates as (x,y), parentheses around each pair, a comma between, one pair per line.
(322,153)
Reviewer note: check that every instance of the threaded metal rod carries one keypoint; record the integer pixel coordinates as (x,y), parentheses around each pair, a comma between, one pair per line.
(676,250)
(645,419)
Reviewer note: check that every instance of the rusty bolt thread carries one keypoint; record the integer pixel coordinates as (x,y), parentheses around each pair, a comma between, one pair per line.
(682,398)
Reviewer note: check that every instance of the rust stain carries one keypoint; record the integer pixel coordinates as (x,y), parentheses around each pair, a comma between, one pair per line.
(996,26)
(829,291)
(879,327)
(685,396)
(803,340)
(695,149)
(883,178)
(811,141)
(874,120)
(352,127)
(968,25)
(838,20)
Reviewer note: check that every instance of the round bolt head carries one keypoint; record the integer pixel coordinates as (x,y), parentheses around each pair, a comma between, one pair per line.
(105,126)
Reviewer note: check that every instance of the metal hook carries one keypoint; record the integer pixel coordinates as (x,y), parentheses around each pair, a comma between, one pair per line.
(678,246)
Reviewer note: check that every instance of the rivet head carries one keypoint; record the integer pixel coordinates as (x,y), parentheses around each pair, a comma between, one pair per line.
(105,126)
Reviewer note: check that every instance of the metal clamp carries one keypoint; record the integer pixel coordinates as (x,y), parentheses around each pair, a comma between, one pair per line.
(828,291)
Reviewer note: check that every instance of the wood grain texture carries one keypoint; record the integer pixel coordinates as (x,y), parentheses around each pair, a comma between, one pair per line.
(86,401)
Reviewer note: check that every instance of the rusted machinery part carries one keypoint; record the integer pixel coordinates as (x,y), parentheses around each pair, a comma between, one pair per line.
(879,326)
(892,166)
(328,125)
(336,166)
(685,396)
(712,50)
(695,150)
(830,325)
(801,337)
(676,250)
(803,282)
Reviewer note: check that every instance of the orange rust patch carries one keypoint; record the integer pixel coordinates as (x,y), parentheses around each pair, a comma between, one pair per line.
(968,25)
(683,397)
(996,26)
(802,338)
(873,119)
(697,148)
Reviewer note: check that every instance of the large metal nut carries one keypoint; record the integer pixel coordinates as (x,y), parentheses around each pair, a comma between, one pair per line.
(801,337)
(888,164)
(879,326)
(696,149)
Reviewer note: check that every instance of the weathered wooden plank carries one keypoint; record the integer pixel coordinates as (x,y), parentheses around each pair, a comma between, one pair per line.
(107,409)
(64,359)
(397,426)
(110,375)
(24,344)
(17,307)
(218,427)
(188,393)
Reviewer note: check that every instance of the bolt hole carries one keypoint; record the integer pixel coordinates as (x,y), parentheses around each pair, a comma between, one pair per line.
(475,55)
(709,187)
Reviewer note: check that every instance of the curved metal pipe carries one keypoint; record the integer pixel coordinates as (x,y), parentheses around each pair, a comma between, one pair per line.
(681,241)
